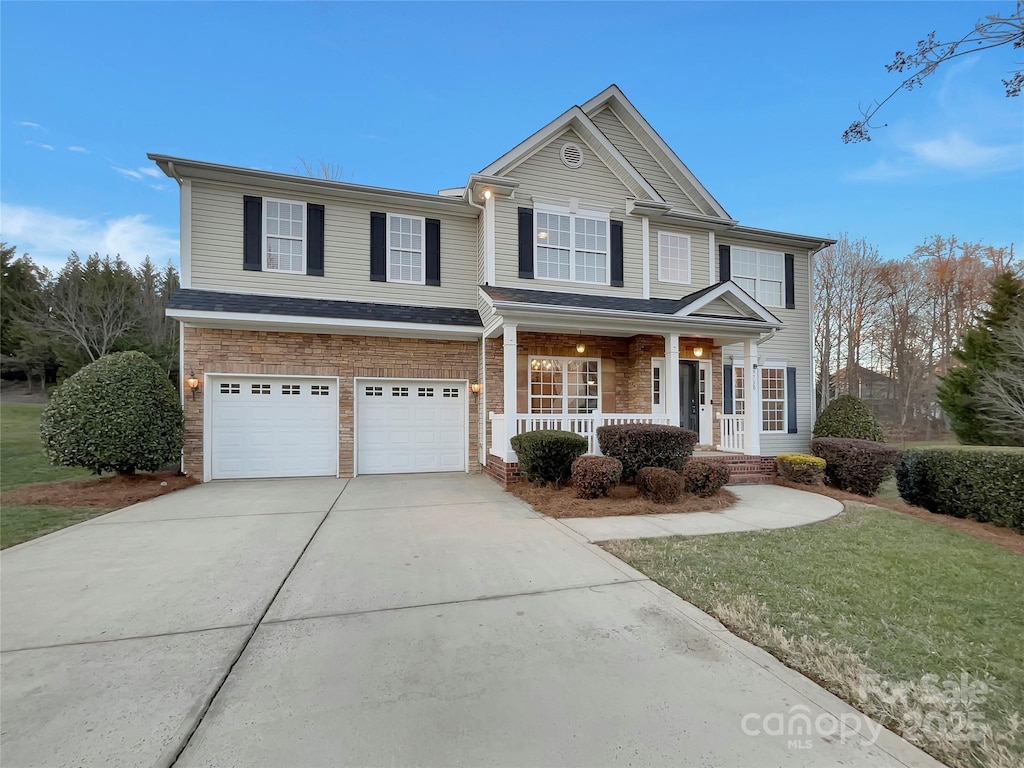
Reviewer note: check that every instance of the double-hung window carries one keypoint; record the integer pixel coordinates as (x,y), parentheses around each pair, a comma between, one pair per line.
(571,246)
(405,249)
(284,234)
(564,385)
(773,396)
(673,258)
(762,274)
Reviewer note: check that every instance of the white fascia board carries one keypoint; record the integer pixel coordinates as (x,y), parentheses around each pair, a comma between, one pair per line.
(181,168)
(614,95)
(297,324)
(185,234)
(734,295)
(512,310)
(784,239)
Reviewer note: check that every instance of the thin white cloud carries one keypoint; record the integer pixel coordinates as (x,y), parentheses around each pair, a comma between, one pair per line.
(28,124)
(149,171)
(955,152)
(158,187)
(128,173)
(47,147)
(77,149)
(49,237)
(137,174)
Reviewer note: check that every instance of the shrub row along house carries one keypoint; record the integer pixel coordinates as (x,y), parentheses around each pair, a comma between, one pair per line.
(583,278)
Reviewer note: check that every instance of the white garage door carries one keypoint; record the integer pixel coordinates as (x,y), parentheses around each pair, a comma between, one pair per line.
(411,426)
(273,427)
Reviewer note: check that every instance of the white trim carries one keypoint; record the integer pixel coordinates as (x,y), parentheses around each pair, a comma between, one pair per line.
(711,257)
(758,253)
(658,363)
(181,380)
(645,228)
(564,361)
(185,246)
(208,413)
(811,307)
(517,312)
(689,257)
(573,212)
(785,398)
(735,296)
(422,252)
(509,380)
(329,324)
(264,235)
(672,379)
(463,383)
(489,238)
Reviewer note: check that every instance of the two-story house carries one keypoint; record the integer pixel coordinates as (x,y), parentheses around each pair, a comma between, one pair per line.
(585,277)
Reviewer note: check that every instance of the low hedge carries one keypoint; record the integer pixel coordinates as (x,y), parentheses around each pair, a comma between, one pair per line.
(980,484)
(703,478)
(801,468)
(858,466)
(646,445)
(660,485)
(594,476)
(546,455)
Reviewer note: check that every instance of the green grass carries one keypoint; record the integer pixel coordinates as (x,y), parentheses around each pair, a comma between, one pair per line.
(22,462)
(870,591)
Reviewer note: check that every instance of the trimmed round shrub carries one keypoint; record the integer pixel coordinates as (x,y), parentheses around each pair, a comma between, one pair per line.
(703,478)
(594,476)
(858,466)
(800,468)
(646,445)
(847,416)
(546,455)
(660,485)
(118,414)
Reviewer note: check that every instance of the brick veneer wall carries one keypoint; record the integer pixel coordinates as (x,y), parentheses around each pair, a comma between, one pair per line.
(212,350)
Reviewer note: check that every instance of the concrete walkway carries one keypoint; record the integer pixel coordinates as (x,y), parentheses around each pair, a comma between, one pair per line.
(406,620)
(760,507)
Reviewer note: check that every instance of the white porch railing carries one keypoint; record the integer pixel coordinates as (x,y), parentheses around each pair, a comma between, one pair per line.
(732,432)
(585,424)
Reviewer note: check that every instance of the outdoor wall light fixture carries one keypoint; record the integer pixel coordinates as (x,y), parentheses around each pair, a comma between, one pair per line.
(193,383)
(698,351)
(580,346)
(475,387)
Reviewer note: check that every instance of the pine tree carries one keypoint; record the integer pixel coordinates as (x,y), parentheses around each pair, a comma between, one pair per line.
(980,350)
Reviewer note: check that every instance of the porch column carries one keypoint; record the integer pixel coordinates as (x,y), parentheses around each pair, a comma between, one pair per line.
(509,372)
(672,378)
(752,396)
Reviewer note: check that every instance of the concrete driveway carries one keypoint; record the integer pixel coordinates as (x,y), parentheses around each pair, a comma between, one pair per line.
(400,620)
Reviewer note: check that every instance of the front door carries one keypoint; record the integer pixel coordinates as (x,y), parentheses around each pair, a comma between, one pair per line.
(689,416)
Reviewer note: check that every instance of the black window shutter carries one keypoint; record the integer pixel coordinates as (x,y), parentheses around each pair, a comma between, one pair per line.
(315,239)
(617,256)
(378,247)
(726,388)
(252,233)
(724,263)
(791,400)
(790,287)
(526,243)
(433,252)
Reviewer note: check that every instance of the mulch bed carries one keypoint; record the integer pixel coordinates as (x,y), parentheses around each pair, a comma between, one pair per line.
(622,500)
(111,492)
(995,534)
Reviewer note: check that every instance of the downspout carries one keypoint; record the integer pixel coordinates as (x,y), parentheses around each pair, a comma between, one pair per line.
(481,406)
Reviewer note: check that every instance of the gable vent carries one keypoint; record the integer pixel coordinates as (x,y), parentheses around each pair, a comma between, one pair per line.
(572,155)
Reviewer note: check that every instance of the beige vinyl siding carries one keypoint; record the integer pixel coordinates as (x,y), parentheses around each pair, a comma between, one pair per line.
(217,252)
(699,266)
(543,177)
(791,346)
(720,307)
(642,160)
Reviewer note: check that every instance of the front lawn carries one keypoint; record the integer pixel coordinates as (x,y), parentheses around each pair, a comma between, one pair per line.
(21,454)
(869,603)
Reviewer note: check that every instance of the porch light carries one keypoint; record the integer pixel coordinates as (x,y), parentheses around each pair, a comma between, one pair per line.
(580,346)
(475,387)
(192,382)
(487,194)
(698,351)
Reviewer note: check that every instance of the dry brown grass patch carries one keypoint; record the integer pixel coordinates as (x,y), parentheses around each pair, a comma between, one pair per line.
(111,492)
(622,500)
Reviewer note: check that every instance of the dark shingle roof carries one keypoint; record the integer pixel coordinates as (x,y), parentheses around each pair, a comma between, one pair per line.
(589,301)
(215,301)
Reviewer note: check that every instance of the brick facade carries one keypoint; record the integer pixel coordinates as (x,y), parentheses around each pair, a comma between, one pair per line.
(210,350)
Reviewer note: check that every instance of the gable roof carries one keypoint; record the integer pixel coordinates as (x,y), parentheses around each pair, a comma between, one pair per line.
(614,97)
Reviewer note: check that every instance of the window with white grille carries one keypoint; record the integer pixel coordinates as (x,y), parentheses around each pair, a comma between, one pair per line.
(319,389)
(673,257)
(450,392)
(564,385)
(230,389)
(399,391)
(571,246)
(284,230)
(405,249)
(739,399)
(291,389)
(260,389)
(762,274)
(773,399)
(374,391)
(425,391)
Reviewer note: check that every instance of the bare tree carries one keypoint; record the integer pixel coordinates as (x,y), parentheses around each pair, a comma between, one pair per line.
(322,169)
(1001,390)
(991,32)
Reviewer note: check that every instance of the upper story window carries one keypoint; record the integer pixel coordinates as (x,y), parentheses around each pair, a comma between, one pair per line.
(405,249)
(673,258)
(762,274)
(571,246)
(284,232)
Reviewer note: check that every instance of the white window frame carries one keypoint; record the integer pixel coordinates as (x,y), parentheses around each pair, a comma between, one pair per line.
(564,362)
(574,214)
(265,236)
(758,280)
(689,257)
(658,394)
(783,400)
(739,401)
(422,251)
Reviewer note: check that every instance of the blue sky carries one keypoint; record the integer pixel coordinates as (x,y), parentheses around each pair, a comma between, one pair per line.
(752,96)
